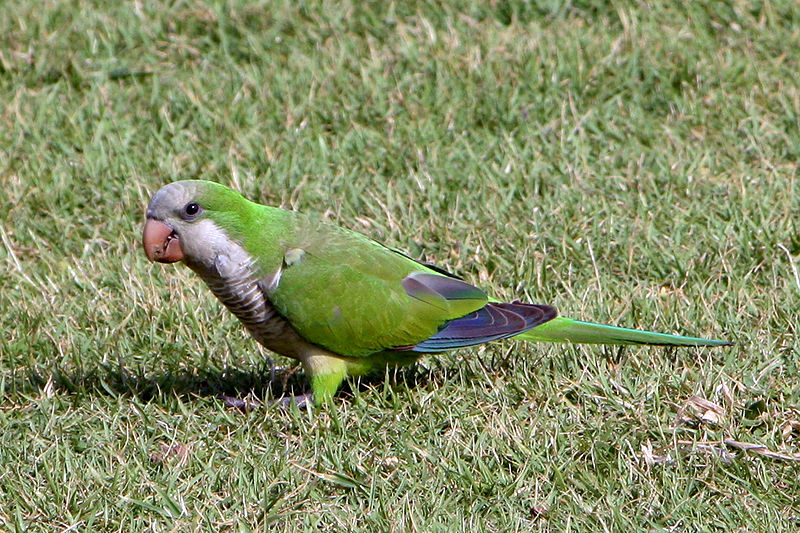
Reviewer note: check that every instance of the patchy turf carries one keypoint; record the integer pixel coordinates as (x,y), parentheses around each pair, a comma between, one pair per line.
(634,165)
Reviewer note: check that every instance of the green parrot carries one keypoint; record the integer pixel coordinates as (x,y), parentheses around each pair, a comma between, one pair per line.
(337,301)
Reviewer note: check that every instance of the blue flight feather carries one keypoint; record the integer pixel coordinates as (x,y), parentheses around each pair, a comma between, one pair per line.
(492,322)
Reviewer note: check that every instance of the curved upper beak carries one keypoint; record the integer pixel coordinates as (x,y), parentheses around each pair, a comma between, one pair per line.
(160,242)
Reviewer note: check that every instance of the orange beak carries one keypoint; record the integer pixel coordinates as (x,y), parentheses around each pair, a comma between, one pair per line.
(160,242)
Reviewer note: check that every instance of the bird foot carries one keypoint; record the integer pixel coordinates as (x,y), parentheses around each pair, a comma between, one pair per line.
(301,401)
(248,404)
(244,405)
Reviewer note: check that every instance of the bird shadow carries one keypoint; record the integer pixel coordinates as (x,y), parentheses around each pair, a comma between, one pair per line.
(262,384)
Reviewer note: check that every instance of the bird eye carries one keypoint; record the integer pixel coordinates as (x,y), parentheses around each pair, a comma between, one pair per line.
(191,209)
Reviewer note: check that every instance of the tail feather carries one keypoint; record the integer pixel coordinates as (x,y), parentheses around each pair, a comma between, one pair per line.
(562,329)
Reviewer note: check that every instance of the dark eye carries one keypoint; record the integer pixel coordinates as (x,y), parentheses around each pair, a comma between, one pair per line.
(191,209)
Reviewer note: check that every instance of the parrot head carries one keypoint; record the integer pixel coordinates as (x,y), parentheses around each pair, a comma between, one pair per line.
(182,221)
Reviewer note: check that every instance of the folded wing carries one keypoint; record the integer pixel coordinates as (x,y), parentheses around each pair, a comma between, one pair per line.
(492,322)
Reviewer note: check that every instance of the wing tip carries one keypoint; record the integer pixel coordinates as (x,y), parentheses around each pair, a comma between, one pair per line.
(494,321)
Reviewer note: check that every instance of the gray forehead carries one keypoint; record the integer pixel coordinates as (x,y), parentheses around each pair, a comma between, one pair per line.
(169,198)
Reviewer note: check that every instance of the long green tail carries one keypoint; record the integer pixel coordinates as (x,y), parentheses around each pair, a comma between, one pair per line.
(562,329)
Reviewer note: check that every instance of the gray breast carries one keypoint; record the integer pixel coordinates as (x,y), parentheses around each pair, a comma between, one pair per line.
(234,282)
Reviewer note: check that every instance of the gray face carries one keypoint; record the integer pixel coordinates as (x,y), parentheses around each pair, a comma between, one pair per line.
(177,228)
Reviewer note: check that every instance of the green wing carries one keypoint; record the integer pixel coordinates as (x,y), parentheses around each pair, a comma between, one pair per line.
(355,297)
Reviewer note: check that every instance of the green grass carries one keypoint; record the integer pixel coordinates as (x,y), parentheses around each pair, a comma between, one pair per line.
(630,164)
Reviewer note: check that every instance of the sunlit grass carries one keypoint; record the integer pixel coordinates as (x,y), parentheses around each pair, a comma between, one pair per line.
(630,164)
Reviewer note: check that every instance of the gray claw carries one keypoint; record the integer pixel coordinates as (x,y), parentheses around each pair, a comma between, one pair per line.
(301,401)
(245,405)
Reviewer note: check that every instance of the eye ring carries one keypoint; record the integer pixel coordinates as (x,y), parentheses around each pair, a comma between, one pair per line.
(191,210)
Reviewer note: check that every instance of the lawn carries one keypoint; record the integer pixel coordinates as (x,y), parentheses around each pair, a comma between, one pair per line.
(633,164)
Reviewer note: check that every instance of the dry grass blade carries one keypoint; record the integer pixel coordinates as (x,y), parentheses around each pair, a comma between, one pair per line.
(761,450)
(719,450)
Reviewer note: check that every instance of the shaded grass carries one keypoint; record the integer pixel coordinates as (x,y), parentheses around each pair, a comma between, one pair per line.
(629,164)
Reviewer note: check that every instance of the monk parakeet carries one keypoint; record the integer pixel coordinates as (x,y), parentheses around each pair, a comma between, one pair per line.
(337,301)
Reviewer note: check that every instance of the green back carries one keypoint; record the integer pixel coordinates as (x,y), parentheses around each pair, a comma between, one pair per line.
(338,288)
(345,292)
